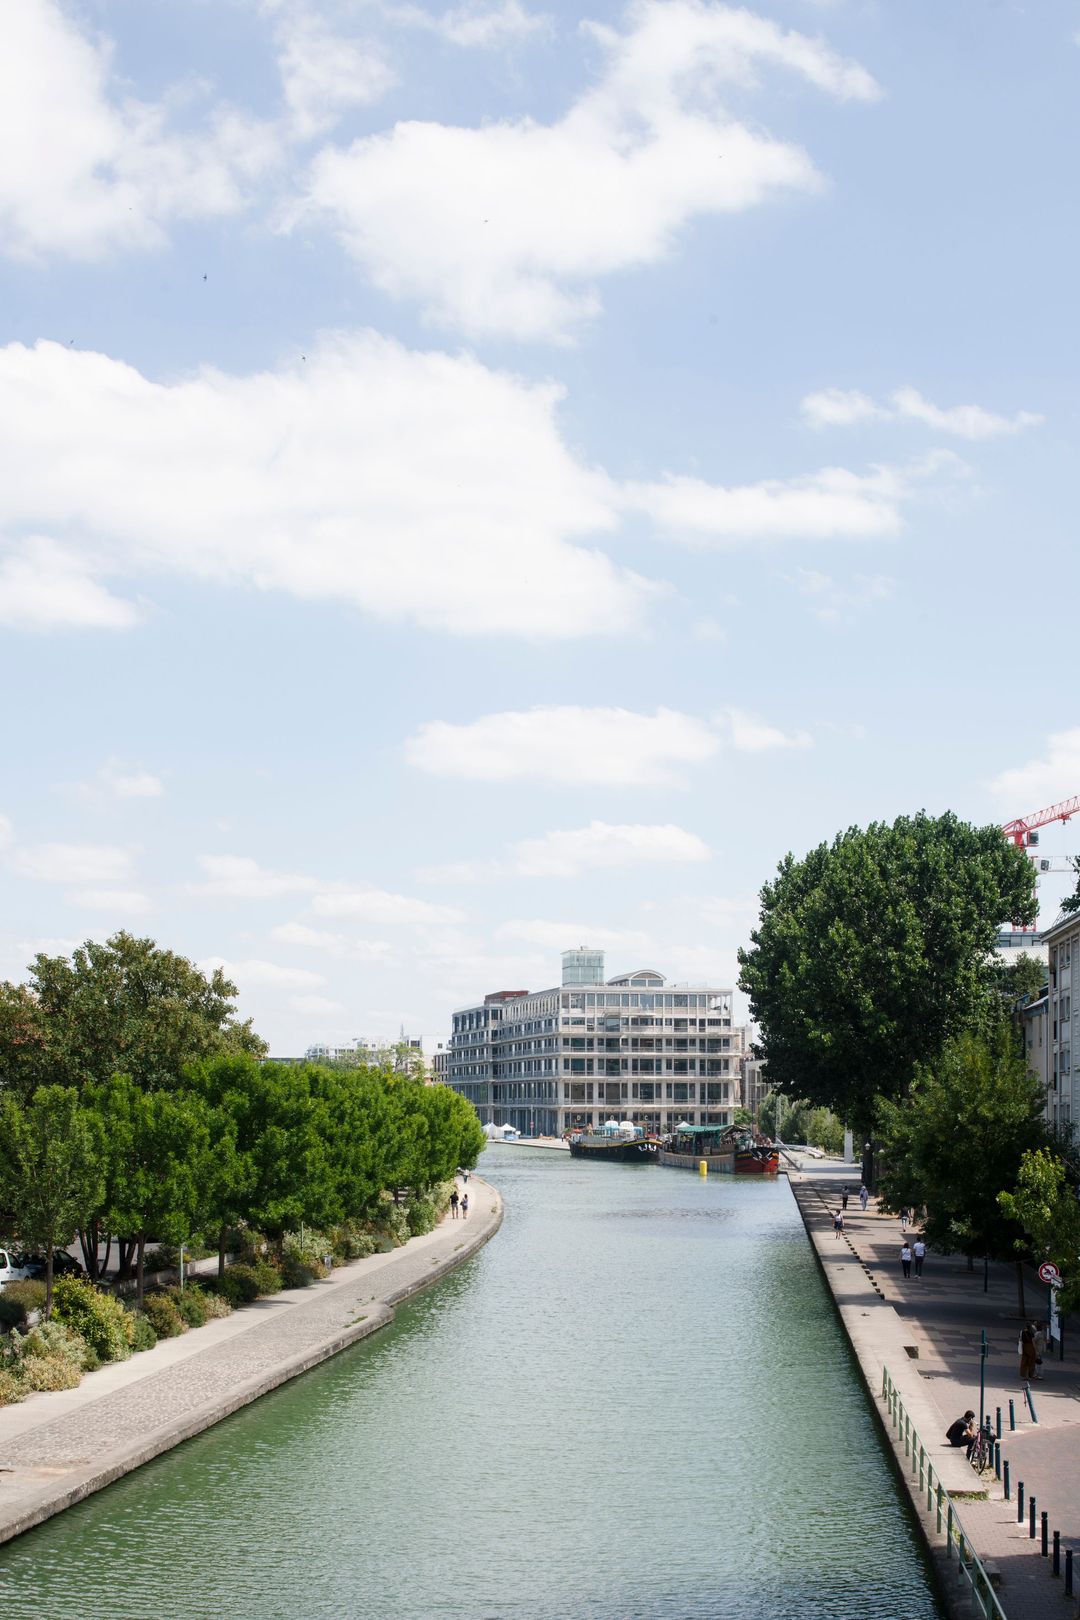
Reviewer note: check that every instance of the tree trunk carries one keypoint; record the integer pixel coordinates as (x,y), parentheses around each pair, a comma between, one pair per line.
(141,1251)
(48,1279)
(221,1253)
(88,1242)
(125,1255)
(1020,1286)
(108,1252)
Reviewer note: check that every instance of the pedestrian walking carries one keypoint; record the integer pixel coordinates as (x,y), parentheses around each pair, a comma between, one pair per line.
(918,1251)
(1026,1348)
(464,1206)
(905,1216)
(465,1177)
(905,1257)
(864,1198)
(454,1201)
(838,1223)
(844,1199)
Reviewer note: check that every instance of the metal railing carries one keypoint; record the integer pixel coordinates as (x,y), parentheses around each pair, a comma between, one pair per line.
(940,1503)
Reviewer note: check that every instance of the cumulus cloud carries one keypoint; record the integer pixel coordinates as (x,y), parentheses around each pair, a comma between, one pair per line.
(563,743)
(419,487)
(503,229)
(840,407)
(372,905)
(323,73)
(340,945)
(71,863)
(117,902)
(255,973)
(44,586)
(314,1004)
(832,602)
(107,171)
(238,877)
(559,936)
(564,854)
(1047,779)
(749,735)
(833,504)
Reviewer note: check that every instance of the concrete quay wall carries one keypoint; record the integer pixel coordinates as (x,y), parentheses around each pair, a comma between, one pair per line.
(55,1450)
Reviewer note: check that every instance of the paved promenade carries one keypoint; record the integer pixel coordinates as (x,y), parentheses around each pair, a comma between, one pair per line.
(56,1449)
(927,1330)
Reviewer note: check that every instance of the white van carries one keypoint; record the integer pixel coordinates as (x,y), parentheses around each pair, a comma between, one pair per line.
(9,1271)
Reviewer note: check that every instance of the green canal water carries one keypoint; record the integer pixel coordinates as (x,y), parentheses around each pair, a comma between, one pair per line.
(634,1403)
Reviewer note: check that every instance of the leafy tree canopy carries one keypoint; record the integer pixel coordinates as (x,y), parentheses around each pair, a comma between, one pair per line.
(123,1007)
(51,1164)
(870,954)
(1072,903)
(958,1138)
(1044,1202)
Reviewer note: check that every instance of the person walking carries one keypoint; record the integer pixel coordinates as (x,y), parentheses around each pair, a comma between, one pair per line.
(844,1199)
(464,1206)
(905,1216)
(454,1201)
(1027,1353)
(905,1257)
(918,1250)
(864,1197)
(838,1223)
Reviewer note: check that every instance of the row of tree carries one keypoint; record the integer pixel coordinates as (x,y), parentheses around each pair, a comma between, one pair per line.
(133,1107)
(872,978)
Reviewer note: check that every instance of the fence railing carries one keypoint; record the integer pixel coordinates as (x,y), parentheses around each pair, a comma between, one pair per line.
(938,1501)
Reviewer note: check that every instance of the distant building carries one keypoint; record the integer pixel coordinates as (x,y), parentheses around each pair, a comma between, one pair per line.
(630,1048)
(368,1052)
(755,1086)
(1062,1028)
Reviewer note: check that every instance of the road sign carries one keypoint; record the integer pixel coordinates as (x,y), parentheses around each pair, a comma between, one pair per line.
(1049,1272)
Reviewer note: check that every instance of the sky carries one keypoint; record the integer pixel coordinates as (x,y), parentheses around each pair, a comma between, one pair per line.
(482,479)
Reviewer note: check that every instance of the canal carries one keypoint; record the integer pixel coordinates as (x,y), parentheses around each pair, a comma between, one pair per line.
(636,1402)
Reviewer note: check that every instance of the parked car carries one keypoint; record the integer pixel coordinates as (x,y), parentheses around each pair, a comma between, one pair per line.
(63,1265)
(12,1269)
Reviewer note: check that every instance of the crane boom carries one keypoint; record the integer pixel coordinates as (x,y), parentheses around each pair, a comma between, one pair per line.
(1020,830)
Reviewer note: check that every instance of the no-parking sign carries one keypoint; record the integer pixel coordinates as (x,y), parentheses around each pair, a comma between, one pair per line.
(1049,1272)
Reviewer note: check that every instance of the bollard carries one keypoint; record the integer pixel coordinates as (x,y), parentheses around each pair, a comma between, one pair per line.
(1031,1518)
(1068,1573)
(1005,1471)
(1020,1503)
(1057,1552)
(1012,1413)
(999,1422)
(1044,1518)
(703,1167)
(997,1458)
(1031,1403)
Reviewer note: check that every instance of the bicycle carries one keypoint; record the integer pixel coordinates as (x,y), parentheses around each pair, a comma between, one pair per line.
(981,1452)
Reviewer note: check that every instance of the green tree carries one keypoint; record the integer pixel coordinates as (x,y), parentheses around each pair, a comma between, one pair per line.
(1072,904)
(960,1137)
(123,1007)
(1045,1203)
(156,1144)
(869,955)
(51,1168)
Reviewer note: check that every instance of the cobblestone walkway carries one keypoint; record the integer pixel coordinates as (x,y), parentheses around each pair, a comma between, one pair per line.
(56,1449)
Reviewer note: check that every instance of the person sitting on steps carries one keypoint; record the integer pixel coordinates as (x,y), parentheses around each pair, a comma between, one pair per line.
(962,1432)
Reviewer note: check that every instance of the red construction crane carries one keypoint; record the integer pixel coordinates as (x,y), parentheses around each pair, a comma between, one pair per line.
(1021,831)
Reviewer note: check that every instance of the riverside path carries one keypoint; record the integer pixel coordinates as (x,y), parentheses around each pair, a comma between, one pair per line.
(928,1330)
(56,1449)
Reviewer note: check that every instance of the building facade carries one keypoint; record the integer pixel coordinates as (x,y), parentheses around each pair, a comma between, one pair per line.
(376,1053)
(590,1050)
(755,1086)
(1061,1035)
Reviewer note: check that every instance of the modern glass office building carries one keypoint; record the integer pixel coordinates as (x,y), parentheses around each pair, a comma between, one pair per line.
(630,1048)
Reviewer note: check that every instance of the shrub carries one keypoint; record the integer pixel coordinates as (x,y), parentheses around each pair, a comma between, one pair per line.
(421,1216)
(267,1276)
(19,1299)
(12,1388)
(215,1305)
(57,1339)
(393,1224)
(349,1242)
(48,1372)
(143,1336)
(300,1270)
(99,1318)
(163,1316)
(190,1302)
(239,1285)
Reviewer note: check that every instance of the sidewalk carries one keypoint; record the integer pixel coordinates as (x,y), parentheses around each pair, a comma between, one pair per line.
(940,1316)
(56,1449)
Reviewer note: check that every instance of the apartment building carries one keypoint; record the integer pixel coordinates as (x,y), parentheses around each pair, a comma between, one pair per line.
(755,1085)
(1060,1027)
(362,1051)
(593,1049)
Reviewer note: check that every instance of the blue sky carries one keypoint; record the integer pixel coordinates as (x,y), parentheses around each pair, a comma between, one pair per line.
(486,478)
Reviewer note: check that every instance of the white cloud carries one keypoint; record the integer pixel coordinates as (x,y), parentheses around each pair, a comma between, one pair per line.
(839,407)
(616,747)
(558,936)
(749,735)
(323,74)
(502,229)
(44,586)
(71,863)
(137,785)
(476,23)
(118,902)
(832,602)
(257,974)
(238,877)
(1042,781)
(314,1004)
(107,173)
(564,854)
(832,504)
(341,945)
(379,906)
(419,487)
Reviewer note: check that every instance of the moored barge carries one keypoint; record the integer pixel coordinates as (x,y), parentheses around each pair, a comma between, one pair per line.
(615,1143)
